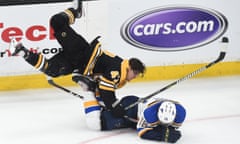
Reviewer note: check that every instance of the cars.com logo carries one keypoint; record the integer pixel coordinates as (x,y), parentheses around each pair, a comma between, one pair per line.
(174,28)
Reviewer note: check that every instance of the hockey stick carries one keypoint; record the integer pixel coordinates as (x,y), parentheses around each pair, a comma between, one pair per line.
(51,82)
(28,2)
(220,58)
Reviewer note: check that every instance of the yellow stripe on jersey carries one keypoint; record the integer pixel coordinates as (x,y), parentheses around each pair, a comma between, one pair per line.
(109,53)
(45,66)
(70,16)
(91,63)
(106,88)
(40,60)
(106,84)
(143,131)
(124,67)
(107,81)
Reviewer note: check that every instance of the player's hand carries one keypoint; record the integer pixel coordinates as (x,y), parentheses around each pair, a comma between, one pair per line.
(168,133)
(118,110)
(87,83)
(174,135)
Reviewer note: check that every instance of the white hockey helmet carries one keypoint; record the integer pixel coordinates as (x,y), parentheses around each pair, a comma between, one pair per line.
(167,112)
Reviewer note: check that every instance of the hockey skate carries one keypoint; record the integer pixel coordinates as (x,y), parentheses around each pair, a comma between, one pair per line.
(77,5)
(12,45)
(15,48)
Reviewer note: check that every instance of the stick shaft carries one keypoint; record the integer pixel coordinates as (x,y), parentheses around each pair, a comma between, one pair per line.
(51,82)
(220,58)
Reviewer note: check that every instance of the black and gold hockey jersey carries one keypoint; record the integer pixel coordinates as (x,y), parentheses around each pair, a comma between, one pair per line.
(109,70)
(89,59)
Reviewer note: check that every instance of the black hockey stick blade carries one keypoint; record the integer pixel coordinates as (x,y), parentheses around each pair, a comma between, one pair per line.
(224,45)
(225,42)
(220,58)
(51,82)
(31,2)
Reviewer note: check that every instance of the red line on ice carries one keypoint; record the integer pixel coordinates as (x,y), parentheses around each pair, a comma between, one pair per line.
(126,131)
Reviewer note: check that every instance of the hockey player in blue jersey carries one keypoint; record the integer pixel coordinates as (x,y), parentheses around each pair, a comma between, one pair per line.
(160,119)
(156,119)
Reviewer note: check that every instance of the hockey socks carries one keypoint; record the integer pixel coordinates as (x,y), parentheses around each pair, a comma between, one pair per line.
(92,111)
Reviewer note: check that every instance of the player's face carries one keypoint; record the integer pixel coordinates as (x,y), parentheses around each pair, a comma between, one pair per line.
(131,74)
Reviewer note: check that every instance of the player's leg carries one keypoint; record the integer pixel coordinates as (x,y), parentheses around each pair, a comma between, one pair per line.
(37,60)
(109,122)
(92,111)
(54,67)
(73,44)
(63,32)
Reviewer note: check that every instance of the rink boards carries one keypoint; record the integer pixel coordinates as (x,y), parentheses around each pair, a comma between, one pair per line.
(153,73)
(128,32)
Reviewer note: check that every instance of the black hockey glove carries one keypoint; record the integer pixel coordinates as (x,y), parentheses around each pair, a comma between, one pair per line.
(87,83)
(169,133)
(118,110)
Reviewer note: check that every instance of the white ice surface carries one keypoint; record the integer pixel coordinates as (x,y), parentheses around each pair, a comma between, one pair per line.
(51,116)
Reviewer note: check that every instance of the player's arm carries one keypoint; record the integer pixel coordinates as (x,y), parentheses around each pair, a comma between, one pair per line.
(107,94)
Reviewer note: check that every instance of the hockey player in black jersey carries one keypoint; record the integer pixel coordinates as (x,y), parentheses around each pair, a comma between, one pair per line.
(87,62)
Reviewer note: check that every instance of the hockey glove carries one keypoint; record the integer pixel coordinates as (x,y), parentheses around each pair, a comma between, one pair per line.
(87,83)
(168,133)
(118,109)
